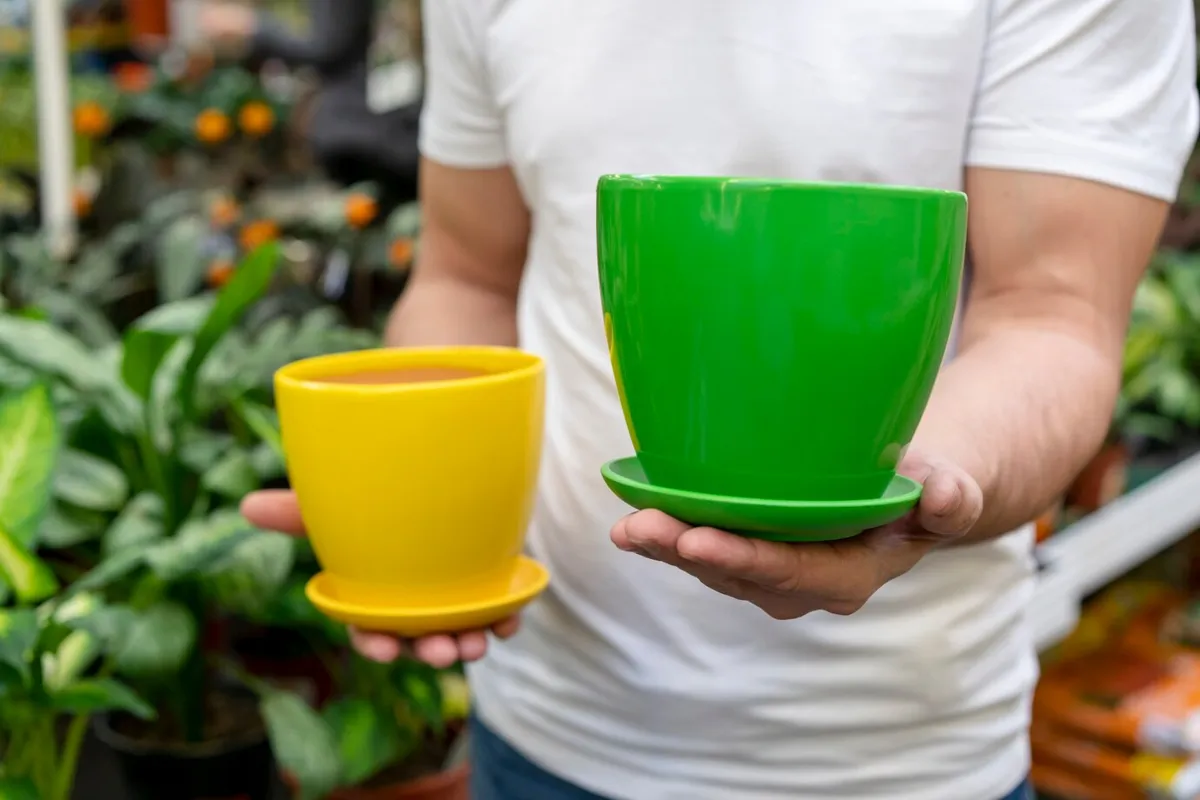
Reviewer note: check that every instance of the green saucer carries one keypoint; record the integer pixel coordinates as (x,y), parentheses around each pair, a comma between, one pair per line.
(778,520)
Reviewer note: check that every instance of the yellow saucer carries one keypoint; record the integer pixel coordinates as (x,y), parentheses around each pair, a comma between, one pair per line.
(529,580)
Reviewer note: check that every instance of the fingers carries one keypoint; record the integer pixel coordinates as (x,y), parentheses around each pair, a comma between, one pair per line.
(275,510)
(440,650)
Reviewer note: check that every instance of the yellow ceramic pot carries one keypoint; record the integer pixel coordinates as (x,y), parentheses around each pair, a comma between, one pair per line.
(415,471)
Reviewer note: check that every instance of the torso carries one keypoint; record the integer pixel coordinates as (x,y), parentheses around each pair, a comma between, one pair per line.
(631,678)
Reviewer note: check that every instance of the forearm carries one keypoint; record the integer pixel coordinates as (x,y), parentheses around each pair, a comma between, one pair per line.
(1021,409)
(445,311)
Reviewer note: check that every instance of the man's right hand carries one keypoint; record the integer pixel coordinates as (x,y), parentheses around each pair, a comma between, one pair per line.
(277,510)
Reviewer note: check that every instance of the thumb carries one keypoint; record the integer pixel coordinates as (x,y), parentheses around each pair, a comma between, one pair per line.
(274,510)
(951,502)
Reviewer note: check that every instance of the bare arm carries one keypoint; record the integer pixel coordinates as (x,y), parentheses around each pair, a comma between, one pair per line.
(1030,396)
(473,244)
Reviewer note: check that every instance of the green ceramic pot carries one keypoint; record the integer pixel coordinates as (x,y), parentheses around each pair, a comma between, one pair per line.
(775,339)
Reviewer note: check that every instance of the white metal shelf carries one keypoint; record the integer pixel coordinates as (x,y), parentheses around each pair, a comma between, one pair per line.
(1108,543)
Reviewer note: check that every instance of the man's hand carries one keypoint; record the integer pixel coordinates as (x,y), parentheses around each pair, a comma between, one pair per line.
(790,580)
(278,511)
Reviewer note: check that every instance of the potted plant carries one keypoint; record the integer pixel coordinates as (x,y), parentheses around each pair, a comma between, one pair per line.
(397,732)
(147,486)
(48,686)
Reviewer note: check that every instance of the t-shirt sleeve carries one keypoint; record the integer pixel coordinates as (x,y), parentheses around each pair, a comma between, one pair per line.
(461,124)
(1103,90)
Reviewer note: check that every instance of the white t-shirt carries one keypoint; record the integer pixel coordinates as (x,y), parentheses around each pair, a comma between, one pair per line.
(629,677)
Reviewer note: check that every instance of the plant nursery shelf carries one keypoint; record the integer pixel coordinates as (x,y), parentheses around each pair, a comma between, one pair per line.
(1105,545)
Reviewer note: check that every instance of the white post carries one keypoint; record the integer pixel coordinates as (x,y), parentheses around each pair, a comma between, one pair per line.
(56,147)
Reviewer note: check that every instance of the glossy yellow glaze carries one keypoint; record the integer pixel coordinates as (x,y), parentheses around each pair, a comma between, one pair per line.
(416,493)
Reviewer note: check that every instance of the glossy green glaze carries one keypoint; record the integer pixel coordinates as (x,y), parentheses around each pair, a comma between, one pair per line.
(773,339)
(777,520)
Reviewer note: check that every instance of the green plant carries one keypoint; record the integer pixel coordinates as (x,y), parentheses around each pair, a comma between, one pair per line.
(388,722)
(1160,396)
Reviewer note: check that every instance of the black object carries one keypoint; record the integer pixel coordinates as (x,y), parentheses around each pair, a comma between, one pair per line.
(350,140)
(243,769)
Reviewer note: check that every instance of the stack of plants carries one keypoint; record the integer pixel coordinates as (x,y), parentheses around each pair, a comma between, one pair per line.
(125,567)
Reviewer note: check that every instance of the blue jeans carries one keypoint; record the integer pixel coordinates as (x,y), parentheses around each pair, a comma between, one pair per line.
(498,772)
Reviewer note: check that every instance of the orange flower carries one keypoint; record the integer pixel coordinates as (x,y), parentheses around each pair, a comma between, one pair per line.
(213,126)
(91,119)
(361,209)
(133,77)
(219,273)
(400,253)
(224,212)
(82,201)
(257,233)
(256,119)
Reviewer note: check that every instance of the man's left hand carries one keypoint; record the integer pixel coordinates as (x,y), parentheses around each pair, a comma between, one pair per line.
(790,580)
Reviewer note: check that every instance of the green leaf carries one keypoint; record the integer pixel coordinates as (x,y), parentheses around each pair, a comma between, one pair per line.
(368,738)
(74,655)
(232,477)
(181,258)
(50,351)
(18,633)
(423,691)
(199,544)
(109,571)
(200,449)
(144,353)
(28,448)
(248,284)
(303,743)
(138,524)
(248,578)
(267,462)
(99,695)
(18,789)
(66,527)
(158,642)
(263,421)
(28,575)
(87,481)
(76,315)
(181,318)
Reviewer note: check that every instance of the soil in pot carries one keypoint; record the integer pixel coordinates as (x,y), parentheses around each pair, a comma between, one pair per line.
(233,762)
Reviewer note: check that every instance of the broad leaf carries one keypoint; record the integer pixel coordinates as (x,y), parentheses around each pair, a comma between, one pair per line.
(28,448)
(199,545)
(163,410)
(232,477)
(267,462)
(158,642)
(200,449)
(303,743)
(263,421)
(252,278)
(50,351)
(181,318)
(66,527)
(98,695)
(144,353)
(18,633)
(65,665)
(246,579)
(423,691)
(108,571)
(28,576)
(181,258)
(368,738)
(18,789)
(87,481)
(75,314)
(138,524)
